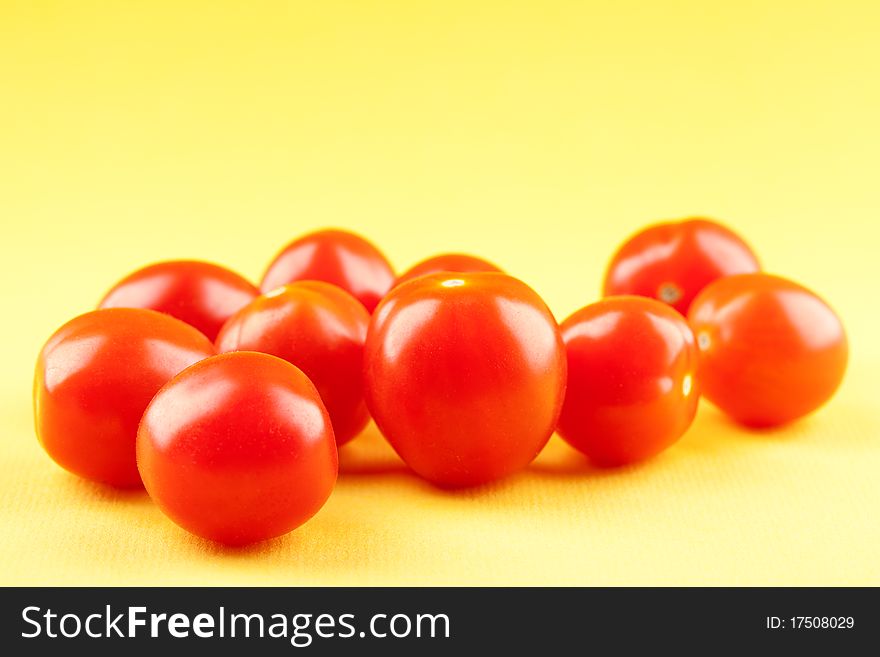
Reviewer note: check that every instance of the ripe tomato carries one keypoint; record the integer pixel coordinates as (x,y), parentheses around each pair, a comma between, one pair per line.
(321,329)
(673,261)
(771,350)
(201,294)
(464,375)
(94,378)
(238,448)
(451,262)
(632,390)
(337,257)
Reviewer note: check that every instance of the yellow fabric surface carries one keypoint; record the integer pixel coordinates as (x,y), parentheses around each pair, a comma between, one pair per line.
(537,134)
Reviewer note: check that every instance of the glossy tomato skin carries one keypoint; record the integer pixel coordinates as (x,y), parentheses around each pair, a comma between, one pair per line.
(673,261)
(94,378)
(771,350)
(446,262)
(238,448)
(201,294)
(632,386)
(337,257)
(464,375)
(321,329)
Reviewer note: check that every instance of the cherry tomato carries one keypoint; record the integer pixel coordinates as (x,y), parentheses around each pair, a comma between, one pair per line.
(238,448)
(451,262)
(771,350)
(321,329)
(632,390)
(94,378)
(201,294)
(673,261)
(464,375)
(337,257)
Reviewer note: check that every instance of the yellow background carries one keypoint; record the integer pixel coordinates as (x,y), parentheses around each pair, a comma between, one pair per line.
(538,134)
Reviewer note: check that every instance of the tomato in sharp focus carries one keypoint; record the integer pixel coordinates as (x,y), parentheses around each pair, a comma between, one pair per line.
(201,294)
(632,388)
(771,350)
(673,261)
(94,378)
(337,257)
(238,448)
(464,375)
(321,329)
(446,262)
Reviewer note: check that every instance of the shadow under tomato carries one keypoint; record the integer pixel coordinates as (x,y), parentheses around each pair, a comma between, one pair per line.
(846,422)
(369,454)
(213,548)
(101,492)
(561,460)
(713,430)
(304,547)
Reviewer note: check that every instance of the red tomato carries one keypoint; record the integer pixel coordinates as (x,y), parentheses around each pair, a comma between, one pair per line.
(673,261)
(452,262)
(95,377)
(201,294)
(321,329)
(464,375)
(238,448)
(632,390)
(771,350)
(333,256)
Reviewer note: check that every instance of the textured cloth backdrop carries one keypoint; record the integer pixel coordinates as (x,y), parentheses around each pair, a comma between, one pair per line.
(535,134)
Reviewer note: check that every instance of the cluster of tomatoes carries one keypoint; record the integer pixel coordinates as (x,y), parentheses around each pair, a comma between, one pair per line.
(228,402)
